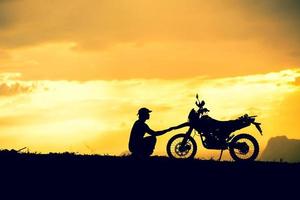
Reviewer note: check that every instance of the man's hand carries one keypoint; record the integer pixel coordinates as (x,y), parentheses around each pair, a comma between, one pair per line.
(164,131)
(157,133)
(174,128)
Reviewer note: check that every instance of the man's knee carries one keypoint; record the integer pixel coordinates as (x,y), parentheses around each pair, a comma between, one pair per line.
(153,139)
(150,140)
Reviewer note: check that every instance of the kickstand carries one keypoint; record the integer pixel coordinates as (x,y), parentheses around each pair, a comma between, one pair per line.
(221,155)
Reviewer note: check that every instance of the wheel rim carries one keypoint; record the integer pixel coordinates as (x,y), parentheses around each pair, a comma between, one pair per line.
(244,149)
(178,151)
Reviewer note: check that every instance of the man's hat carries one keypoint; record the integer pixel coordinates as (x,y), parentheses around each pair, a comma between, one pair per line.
(144,110)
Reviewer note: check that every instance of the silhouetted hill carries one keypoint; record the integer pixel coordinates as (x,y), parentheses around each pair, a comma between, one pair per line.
(282,149)
(67,175)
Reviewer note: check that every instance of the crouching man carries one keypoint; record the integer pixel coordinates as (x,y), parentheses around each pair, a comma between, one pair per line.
(139,145)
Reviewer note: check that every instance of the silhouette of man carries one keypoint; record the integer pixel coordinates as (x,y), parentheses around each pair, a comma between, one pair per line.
(139,145)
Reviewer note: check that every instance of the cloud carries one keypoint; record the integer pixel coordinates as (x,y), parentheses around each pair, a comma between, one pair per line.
(4,14)
(98,113)
(100,24)
(57,61)
(4,54)
(277,20)
(289,9)
(14,89)
(9,76)
(10,85)
(170,39)
(297,81)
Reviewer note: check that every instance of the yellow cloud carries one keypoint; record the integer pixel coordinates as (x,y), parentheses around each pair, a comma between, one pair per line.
(71,115)
(127,39)
(96,24)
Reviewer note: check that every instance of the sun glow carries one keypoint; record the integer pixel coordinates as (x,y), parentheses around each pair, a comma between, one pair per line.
(73,79)
(71,115)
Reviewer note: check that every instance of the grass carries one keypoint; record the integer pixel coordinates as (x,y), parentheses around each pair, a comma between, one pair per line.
(75,172)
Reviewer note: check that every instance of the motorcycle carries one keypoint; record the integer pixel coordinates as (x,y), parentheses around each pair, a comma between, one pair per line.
(215,135)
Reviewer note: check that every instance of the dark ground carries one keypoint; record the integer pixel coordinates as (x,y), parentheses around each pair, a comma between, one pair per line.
(93,177)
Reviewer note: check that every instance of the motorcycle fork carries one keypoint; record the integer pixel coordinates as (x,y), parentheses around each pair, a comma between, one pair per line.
(187,135)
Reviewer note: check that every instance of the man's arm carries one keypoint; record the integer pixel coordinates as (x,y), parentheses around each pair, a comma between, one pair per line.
(157,133)
(180,126)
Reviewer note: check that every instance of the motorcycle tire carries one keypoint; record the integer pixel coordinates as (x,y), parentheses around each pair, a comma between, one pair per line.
(236,141)
(174,149)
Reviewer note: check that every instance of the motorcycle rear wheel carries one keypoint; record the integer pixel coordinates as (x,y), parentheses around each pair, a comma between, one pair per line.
(244,147)
(176,150)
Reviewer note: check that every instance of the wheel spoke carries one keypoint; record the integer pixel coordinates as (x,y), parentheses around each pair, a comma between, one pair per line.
(175,148)
(250,150)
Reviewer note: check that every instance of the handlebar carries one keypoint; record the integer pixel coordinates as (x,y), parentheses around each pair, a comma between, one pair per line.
(201,105)
(253,116)
(205,110)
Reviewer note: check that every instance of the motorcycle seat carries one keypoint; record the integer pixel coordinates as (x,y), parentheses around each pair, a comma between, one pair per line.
(219,123)
(209,124)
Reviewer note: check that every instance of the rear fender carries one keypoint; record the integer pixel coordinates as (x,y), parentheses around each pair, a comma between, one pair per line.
(257,125)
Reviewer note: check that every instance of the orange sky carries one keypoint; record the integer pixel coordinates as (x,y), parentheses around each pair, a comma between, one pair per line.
(73,74)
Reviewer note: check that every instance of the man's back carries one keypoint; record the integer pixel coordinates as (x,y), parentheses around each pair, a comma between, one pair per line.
(138,131)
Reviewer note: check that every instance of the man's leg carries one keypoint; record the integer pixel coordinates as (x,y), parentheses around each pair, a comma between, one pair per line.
(149,145)
(146,149)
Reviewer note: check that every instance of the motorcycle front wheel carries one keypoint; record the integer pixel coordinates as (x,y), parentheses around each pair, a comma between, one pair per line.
(176,149)
(243,147)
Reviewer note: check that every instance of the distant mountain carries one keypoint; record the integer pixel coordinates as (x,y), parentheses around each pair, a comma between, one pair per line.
(282,149)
